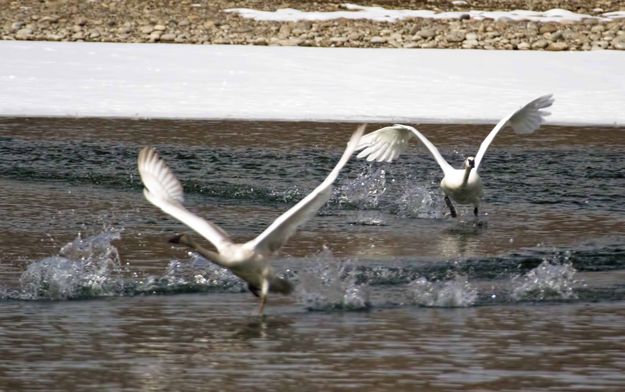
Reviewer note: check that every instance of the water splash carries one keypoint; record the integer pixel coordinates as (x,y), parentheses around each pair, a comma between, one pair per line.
(194,275)
(377,188)
(365,191)
(416,200)
(288,196)
(552,279)
(330,284)
(84,268)
(457,292)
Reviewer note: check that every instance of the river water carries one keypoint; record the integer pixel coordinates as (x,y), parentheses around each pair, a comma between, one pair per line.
(392,293)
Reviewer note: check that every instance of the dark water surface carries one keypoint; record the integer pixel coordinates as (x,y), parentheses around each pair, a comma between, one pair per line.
(392,294)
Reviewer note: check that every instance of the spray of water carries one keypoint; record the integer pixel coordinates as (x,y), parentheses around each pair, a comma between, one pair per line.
(553,279)
(195,274)
(84,268)
(376,188)
(416,200)
(330,284)
(365,191)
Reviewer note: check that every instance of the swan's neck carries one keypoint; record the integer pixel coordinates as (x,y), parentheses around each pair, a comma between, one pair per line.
(210,255)
(207,254)
(467,173)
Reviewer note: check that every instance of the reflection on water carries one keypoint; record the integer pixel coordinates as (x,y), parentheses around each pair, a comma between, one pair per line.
(392,294)
(191,342)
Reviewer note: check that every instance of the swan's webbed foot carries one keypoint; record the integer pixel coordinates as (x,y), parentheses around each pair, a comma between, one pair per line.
(451,207)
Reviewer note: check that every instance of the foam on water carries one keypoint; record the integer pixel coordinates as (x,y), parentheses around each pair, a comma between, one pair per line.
(455,292)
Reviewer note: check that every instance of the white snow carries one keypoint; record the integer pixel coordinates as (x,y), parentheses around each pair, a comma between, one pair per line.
(295,83)
(354,11)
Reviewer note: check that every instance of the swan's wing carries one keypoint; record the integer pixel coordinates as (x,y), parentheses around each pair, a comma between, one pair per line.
(276,235)
(386,144)
(163,189)
(523,121)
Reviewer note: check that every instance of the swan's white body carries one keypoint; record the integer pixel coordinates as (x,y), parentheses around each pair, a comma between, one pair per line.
(463,186)
(249,260)
(469,193)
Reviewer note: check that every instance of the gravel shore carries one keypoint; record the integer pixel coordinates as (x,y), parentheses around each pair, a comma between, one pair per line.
(205,22)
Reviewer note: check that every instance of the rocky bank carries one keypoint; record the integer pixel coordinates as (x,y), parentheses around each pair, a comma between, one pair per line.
(205,22)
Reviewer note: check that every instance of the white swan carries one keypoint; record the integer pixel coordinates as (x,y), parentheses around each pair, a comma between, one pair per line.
(463,186)
(250,260)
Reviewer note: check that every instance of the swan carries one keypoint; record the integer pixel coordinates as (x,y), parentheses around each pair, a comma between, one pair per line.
(250,260)
(462,186)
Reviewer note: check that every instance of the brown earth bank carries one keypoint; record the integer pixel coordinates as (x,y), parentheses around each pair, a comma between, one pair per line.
(205,22)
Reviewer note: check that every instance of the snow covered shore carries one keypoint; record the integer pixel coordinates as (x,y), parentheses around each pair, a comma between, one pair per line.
(297,83)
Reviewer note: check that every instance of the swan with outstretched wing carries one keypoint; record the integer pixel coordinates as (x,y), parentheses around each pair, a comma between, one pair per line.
(250,260)
(462,186)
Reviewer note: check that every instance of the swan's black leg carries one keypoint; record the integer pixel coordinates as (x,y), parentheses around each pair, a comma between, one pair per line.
(451,207)
(475,211)
(255,290)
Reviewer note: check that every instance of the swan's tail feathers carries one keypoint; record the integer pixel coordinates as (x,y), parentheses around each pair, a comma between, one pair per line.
(384,144)
(529,118)
(158,179)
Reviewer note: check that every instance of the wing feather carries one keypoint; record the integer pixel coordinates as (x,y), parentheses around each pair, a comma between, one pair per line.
(379,153)
(372,151)
(163,189)
(393,138)
(525,120)
(396,138)
(276,235)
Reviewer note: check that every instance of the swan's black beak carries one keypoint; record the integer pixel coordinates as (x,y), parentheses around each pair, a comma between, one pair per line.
(177,239)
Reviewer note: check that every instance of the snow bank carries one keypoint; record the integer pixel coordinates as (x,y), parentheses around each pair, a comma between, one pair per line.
(294,83)
(353,11)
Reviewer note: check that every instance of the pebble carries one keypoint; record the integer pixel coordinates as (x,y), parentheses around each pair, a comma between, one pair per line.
(540,44)
(181,22)
(470,44)
(619,42)
(377,40)
(15,26)
(548,28)
(426,33)
(24,34)
(557,46)
(455,36)
(168,37)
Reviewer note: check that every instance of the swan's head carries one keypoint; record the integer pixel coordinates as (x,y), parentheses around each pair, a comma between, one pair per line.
(469,163)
